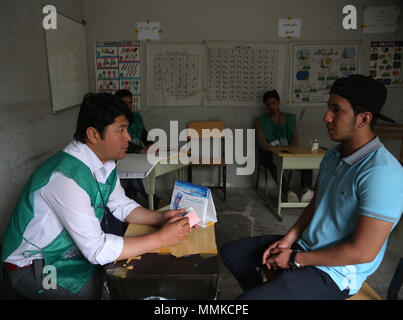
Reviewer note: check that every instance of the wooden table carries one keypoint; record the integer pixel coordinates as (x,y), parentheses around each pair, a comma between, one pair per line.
(192,274)
(293,158)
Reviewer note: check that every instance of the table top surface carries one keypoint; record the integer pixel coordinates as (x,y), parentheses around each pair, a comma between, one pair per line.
(297,152)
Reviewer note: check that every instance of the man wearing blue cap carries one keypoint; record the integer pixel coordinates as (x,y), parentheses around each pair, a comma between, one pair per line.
(341,236)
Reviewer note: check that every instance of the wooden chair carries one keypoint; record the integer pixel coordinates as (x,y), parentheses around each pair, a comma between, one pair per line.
(365,293)
(391,131)
(195,132)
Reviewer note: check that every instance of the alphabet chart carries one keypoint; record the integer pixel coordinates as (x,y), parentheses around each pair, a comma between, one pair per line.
(315,66)
(240,73)
(117,66)
(175,73)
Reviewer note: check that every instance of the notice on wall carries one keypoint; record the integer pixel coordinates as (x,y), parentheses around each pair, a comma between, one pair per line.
(240,73)
(381,19)
(385,62)
(315,66)
(289,28)
(117,66)
(149,30)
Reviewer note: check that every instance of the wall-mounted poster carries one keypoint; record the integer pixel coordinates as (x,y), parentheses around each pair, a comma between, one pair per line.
(381,19)
(175,73)
(385,62)
(315,66)
(240,72)
(117,66)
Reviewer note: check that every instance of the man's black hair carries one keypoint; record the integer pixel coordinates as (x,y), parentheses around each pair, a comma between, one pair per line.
(98,110)
(123,93)
(271,94)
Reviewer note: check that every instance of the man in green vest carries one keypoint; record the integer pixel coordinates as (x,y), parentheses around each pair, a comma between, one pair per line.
(278,129)
(56,225)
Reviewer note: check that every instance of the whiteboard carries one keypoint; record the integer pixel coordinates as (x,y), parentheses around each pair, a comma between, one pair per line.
(67,63)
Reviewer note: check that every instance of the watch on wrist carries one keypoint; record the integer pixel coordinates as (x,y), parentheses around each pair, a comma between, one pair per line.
(291,262)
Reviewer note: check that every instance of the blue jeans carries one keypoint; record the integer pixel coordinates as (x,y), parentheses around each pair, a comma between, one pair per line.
(243,258)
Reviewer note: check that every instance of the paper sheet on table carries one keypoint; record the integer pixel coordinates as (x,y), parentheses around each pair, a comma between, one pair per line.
(199,240)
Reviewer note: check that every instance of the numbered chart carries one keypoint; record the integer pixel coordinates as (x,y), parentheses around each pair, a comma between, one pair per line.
(240,73)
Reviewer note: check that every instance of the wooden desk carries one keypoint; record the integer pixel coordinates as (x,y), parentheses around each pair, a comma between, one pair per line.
(293,158)
(165,275)
(136,166)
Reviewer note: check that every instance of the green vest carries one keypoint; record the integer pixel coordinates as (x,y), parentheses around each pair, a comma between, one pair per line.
(275,131)
(73,269)
(136,129)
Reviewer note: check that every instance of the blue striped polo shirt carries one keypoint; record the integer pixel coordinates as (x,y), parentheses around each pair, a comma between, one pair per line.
(369,182)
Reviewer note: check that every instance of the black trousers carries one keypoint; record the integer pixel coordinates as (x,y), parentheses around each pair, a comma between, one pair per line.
(243,258)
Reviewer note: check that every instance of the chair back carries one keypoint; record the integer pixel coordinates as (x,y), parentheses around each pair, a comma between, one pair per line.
(200,125)
(199,137)
(391,131)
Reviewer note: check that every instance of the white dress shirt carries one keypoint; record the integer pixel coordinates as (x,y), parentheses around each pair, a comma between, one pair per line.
(63,204)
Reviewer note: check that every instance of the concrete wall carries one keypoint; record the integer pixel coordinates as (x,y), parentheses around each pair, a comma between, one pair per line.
(29,133)
(254,20)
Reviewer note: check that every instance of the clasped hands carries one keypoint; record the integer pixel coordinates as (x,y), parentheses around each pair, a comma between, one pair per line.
(277,255)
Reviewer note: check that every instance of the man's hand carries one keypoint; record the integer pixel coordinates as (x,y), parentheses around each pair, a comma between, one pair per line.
(283,243)
(174,230)
(167,215)
(278,258)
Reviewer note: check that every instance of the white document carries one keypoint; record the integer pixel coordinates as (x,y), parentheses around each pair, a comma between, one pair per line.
(290,28)
(135,166)
(149,30)
(189,195)
(139,166)
(381,19)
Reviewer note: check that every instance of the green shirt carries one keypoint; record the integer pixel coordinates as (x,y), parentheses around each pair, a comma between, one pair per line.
(277,134)
(136,129)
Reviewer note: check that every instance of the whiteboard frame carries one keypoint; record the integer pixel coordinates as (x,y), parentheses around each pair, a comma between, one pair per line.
(51,87)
